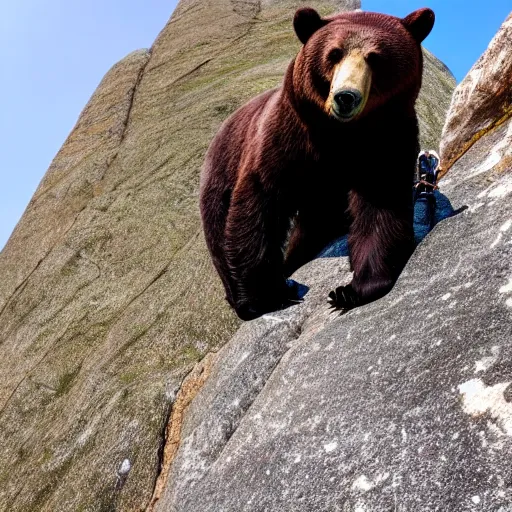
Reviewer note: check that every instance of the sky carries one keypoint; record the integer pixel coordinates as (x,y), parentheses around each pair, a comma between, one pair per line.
(55,53)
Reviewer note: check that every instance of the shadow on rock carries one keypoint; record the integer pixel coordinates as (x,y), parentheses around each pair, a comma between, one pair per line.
(423,224)
(298,290)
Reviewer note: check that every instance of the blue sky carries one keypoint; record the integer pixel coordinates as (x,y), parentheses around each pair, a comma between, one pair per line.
(55,52)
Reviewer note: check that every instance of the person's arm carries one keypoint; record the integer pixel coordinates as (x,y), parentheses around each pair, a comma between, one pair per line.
(423,182)
(438,160)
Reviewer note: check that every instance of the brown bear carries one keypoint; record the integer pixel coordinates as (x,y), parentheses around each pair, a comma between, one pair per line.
(331,151)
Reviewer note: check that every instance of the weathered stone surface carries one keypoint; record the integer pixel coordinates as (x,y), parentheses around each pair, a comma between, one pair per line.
(108,297)
(69,184)
(438,83)
(483,100)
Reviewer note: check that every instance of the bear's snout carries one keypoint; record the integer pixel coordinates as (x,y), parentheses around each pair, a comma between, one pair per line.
(350,87)
(347,102)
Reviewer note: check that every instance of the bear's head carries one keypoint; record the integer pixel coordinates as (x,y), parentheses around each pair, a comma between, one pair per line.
(354,62)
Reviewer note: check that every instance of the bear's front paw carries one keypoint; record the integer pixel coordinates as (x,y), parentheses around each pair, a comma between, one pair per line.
(289,294)
(344,297)
(248,312)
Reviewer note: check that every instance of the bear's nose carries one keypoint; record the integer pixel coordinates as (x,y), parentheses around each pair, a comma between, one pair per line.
(347,101)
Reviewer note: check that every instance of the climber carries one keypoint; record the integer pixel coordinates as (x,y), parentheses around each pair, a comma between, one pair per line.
(428,170)
(429,163)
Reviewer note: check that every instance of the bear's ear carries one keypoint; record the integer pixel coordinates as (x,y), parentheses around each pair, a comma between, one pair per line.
(306,22)
(419,23)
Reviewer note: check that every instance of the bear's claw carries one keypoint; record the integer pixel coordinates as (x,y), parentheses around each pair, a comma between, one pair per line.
(343,298)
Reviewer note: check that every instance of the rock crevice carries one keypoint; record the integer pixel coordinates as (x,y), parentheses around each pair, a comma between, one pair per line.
(189,388)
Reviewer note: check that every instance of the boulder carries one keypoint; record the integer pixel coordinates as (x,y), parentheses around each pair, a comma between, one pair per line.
(108,298)
(487,90)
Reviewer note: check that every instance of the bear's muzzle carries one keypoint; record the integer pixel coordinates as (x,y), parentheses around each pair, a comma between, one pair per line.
(350,87)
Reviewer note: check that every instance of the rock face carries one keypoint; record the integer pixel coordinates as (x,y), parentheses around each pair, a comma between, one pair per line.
(432,114)
(491,76)
(404,404)
(108,297)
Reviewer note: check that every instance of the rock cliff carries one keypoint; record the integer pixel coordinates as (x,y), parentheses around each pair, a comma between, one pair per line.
(108,298)
(490,77)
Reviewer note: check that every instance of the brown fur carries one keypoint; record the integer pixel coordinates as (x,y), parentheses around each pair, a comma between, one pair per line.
(282,156)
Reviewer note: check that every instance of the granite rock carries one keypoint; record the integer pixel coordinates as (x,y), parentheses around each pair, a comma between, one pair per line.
(399,405)
(482,101)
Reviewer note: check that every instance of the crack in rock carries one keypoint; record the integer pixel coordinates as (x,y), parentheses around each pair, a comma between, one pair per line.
(190,387)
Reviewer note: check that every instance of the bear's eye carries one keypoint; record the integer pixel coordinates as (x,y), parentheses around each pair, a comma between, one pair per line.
(373,58)
(335,55)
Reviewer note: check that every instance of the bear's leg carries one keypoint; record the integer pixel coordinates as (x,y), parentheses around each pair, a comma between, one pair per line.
(308,237)
(381,240)
(255,232)
(215,201)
